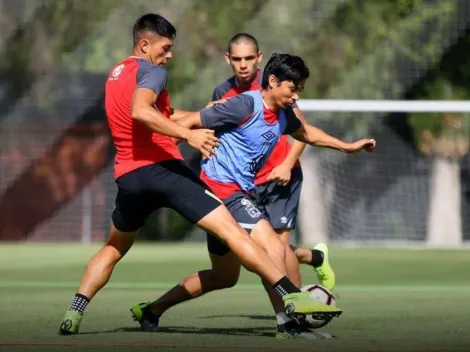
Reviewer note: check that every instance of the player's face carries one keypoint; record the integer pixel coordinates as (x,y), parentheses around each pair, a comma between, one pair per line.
(157,49)
(244,60)
(286,93)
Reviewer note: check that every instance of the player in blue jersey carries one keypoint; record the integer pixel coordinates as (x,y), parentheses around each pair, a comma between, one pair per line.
(248,126)
(279,182)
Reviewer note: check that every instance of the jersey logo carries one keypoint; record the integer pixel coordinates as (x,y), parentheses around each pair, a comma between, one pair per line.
(117,71)
(268,135)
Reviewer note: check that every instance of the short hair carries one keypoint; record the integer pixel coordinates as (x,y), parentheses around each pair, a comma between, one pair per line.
(285,67)
(153,22)
(242,37)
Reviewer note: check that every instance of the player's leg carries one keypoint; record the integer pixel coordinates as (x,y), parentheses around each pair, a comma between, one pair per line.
(280,204)
(292,263)
(286,327)
(128,216)
(223,274)
(101,265)
(196,203)
(225,265)
(245,211)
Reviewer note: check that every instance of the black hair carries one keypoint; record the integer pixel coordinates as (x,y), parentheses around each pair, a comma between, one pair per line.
(285,67)
(237,38)
(153,22)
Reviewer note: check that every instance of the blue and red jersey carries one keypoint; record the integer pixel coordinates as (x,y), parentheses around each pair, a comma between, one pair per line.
(230,88)
(248,131)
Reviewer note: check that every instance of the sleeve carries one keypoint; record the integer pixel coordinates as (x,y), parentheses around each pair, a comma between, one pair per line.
(229,114)
(293,123)
(152,77)
(216,94)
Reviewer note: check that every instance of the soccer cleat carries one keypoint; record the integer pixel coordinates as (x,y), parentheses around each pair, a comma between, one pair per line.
(71,323)
(299,304)
(142,314)
(293,330)
(325,272)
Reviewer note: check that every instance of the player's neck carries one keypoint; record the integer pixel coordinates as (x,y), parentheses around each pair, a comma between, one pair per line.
(269,100)
(140,55)
(246,85)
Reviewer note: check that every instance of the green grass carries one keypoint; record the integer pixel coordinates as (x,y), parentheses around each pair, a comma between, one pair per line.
(393,300)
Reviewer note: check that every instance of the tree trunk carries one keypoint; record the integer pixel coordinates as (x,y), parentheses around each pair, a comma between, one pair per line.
(444,218)
(312,210)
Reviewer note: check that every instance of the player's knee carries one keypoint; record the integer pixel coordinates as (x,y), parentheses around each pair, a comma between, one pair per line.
(118,243)
(278,247)
(228,281)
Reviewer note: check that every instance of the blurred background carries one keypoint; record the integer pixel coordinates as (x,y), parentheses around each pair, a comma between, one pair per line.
(56,155)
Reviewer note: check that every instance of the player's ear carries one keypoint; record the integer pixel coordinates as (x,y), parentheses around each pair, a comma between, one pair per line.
(227,58)
(260,57)
(144,45)
(273,82)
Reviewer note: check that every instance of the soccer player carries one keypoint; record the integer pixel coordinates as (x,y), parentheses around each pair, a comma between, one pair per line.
(150,174)
(249,126)
(279,182)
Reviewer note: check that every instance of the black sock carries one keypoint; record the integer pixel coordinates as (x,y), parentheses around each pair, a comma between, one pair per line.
(284,287)
(153,318)
(317,258)
(79,303)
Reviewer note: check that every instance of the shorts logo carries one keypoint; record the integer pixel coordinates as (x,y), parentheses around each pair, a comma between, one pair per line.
(250,208)
(268,135)
(284,220)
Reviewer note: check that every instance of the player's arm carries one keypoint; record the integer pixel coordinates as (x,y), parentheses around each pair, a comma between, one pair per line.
(281,174)
(177,114)
(225,115)
(217,98)
(150,83)
(314,136)
(297,147)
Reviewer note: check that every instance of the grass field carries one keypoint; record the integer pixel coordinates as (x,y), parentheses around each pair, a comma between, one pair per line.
(393,300)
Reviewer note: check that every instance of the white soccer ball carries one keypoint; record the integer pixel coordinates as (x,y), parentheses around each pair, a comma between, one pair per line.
(321,294)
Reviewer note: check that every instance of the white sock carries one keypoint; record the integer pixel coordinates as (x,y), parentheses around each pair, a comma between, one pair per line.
(282,318)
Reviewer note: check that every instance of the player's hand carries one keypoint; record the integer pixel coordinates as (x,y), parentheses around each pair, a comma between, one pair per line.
(364,144)
(280,174)
(212,103)
(203,140)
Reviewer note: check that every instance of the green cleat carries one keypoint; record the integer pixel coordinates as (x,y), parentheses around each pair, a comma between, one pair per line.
(71,323)
(325,272)
(141,313)
(299,304)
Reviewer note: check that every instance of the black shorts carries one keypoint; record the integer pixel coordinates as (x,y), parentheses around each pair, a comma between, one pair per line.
(245,211)
(168,184)
(280,203)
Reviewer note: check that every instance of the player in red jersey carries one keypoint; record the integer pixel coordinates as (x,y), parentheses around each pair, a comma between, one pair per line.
(150,173)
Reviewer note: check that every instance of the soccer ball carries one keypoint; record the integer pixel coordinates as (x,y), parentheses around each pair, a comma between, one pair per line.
(321,294)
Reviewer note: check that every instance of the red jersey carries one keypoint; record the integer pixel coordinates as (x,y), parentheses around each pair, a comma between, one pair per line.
(229,89)
(136,145)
